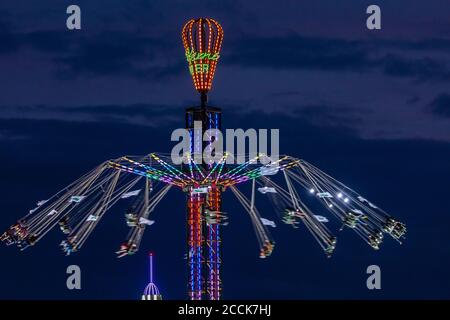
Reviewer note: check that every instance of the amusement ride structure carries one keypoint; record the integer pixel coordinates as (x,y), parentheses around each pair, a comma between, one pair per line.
(145,180)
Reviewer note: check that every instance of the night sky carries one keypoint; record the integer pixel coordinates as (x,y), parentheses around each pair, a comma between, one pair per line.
(371,108)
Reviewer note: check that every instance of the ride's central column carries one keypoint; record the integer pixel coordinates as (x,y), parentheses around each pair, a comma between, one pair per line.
(213,246)
(202,40)
(204,207)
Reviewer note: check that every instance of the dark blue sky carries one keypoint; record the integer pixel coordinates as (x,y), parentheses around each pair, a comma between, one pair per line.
(370,108)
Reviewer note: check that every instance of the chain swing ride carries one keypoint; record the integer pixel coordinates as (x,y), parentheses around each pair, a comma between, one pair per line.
(78,208)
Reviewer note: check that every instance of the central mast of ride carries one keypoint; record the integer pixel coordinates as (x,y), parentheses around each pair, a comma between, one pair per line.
(202,40)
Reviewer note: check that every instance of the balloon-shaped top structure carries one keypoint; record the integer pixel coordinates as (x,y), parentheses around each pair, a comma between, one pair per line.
(202,40)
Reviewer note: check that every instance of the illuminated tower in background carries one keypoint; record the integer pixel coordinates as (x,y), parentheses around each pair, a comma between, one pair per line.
(202,40)
(151,291)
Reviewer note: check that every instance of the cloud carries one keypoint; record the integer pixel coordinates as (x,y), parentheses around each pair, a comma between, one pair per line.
(8,41)
(413,100)
(49,41)
(295,51)
(137,114)
(9,136)
(432,44)
(140,55)
(157,116)
(421,69)
(440,106)
(331,115)
(285,94)
(117,53)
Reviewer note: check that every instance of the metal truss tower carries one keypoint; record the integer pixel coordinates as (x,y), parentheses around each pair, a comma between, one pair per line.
(203,238)
(202,39)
